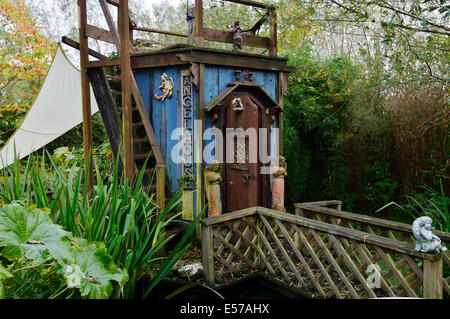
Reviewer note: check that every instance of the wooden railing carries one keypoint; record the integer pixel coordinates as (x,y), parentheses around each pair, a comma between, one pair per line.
(326,259)
(377,226)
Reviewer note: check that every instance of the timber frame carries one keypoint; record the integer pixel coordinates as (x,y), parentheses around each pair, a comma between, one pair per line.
(121,35)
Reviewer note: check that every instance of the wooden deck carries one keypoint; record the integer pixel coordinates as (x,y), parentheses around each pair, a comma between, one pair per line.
(325,251)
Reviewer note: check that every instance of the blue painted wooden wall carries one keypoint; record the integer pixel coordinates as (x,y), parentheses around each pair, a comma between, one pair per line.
(166,115)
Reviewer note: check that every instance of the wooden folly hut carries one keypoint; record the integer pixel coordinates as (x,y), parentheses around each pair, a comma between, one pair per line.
(186,89)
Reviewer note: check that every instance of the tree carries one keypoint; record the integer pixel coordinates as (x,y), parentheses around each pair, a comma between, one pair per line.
(24,59)
(399,41)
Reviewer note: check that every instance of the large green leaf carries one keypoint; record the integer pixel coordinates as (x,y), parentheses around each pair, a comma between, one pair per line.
(94,270)
(30,232)
(4,273)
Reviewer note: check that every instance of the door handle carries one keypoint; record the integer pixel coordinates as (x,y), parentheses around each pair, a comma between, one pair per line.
(249,174)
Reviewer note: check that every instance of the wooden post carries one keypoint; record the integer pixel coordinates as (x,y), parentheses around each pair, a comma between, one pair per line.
(301,213)
(198,24)
(160,188)
(208,254)
(281,87)
(85,95)
(125,67)
(273,34)
(199,142)
(432,279)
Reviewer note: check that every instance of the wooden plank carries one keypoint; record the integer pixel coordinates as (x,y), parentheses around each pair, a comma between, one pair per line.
(363,219)
(432,279)
(199,142)
(260,22)
(280,115)
(208,254)
(177,34)
(115,3)
(103,63)
(250,3)
(156,61)
(76,45)
(322,203)
(230,216)
(110,21)
(127,113)
(198,23)
(99,34)
(108,111)
(86,96)
(160,188)
(273,50)
(227,37)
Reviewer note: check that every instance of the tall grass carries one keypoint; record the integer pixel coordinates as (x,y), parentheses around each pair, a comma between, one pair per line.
(431,203)
(120,214)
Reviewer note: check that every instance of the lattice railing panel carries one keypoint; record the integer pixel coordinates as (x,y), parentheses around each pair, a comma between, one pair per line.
(328,260)
(334,266)
(234,248)
(372,226)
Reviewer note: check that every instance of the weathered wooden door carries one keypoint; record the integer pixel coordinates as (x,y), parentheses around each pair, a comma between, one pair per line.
(242,174)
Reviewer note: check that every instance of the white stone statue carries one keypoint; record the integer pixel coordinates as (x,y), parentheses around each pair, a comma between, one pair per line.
(426,241)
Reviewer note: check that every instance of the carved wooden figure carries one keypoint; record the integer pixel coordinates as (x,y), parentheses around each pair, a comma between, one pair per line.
(279,172)
(237,36)
(213,177)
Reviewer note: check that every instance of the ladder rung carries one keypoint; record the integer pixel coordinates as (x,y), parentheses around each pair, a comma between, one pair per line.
(140,140)
(113,77)
(141,156)
(140,124)
(134,109)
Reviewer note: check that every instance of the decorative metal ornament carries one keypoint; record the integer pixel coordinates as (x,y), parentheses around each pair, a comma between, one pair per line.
(237,105)
(426,241)
(167,88)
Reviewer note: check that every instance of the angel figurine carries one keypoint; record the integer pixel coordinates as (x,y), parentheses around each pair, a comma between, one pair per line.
(426,241)
(166,86)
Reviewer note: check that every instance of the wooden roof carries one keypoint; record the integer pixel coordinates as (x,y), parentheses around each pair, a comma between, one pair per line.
(183,54)
(246,87)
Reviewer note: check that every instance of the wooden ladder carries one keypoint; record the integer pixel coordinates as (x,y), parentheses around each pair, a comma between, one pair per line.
(141,143)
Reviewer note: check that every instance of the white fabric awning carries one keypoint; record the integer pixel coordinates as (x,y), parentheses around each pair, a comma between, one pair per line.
(56,110)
